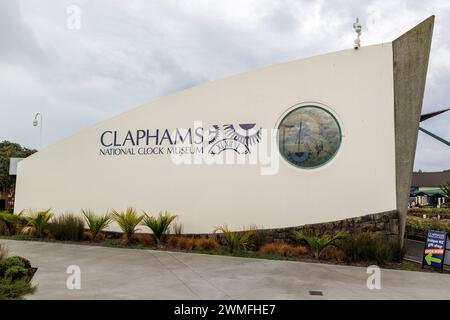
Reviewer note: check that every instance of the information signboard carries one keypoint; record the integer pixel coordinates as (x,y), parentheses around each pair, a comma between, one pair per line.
(435,248)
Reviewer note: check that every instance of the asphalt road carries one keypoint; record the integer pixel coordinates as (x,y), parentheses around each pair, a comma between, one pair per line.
(414,250)
(112,273)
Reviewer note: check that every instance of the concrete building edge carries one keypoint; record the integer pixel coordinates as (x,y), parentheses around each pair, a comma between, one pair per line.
(411,53)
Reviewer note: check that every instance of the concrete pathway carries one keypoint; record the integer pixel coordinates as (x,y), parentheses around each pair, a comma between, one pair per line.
(112,273)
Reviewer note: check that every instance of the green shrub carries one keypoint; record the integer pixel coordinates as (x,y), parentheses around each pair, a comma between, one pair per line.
(446,189)
(39,220)
(127,221)
(67,227)
(22,237)
(25,262)
(358,248)
(177,228)
(368,247)
(159,225)
(235,240)
(429,211)
(317,243)
(259,238)
(10,262)
(95,223)
(418,228)
(7,222)
(15,273)
(3,252)
(389,250)
(12,290)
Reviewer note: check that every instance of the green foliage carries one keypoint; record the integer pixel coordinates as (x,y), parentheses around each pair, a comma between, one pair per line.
(359,248)
(39,220)
(26,263)
(21,237)
(245,254)
(67,227)
(446,189)
(95,223)
(127,221)
(418,228)
(177,228)
(7,222)
(10,150)
(431,212)
(317,243)
(257,255)
(235,240)
(15,290)
(10,262)
(110,243)
(159,225)
(14,282)
(15,273)
(3,252)
(368,247)
(259,238)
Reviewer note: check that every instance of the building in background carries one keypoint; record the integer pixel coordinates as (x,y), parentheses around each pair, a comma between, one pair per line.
(10,155)
(426,188)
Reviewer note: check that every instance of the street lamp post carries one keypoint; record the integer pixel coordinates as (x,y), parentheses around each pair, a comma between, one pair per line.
(37,122)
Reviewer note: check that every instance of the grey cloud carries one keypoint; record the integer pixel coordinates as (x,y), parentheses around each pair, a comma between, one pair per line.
(128,53)
(18,44)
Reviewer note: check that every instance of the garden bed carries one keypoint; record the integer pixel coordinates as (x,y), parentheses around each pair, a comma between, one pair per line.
(115,242)
(362,248)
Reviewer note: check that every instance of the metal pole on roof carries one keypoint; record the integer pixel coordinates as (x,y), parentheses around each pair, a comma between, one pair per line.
(357,27)
(435,136)
(35,124)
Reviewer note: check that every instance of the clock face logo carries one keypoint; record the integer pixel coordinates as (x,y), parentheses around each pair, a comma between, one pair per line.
(238,138)
(309,136)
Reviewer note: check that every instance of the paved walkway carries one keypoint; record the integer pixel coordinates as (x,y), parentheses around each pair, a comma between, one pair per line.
(111,273)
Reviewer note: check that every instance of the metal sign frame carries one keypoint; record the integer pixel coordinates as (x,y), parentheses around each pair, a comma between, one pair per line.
(446,238)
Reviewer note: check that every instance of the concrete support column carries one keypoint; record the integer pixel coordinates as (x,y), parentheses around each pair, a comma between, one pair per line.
(410,57)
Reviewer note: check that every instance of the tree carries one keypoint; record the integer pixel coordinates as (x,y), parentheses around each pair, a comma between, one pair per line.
(446,189)
(8,183)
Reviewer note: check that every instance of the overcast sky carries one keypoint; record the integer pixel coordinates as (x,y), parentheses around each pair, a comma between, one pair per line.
(129,52)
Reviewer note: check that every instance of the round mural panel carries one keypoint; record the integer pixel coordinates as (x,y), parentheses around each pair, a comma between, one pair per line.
(309,136)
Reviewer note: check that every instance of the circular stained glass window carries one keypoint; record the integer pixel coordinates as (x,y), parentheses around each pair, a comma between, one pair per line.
(309,136)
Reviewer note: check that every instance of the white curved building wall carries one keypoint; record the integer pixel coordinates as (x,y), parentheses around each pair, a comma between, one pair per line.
(355,85)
